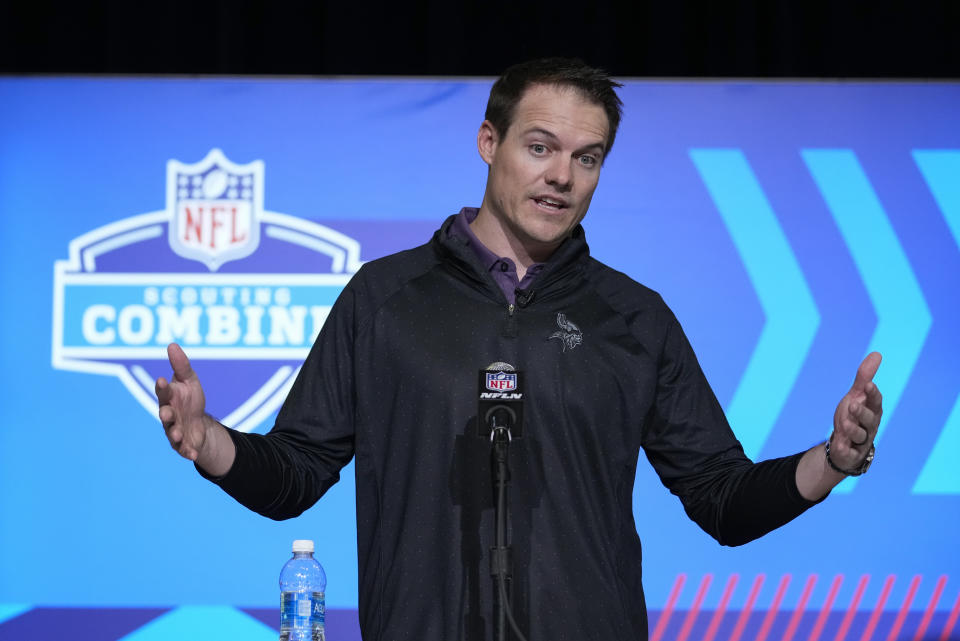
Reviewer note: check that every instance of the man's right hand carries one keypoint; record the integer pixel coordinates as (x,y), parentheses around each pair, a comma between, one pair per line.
(191,432)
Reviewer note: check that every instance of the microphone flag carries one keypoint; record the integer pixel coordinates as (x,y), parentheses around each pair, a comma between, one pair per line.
(500,399)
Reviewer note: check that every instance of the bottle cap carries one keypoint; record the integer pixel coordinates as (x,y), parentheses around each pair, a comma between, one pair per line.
(303,545)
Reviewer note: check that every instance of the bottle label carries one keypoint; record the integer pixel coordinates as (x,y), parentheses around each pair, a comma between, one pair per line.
(303,610)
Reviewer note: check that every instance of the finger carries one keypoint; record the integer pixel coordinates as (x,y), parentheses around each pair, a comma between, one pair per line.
(865,417)
(167,416)
(186,450)
(851,430)
(844,453)
(867,370)
(853,435)
(849,426)
(162,390)
(874,399)
(861,436)
(179,362)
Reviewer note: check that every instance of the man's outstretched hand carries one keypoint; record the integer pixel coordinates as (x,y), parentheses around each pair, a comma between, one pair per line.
(857,418)
(191,432)
(182,405)
(855,425)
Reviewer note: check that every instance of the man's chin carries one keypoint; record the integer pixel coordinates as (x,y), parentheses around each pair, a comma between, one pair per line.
(543,244)
(552,232)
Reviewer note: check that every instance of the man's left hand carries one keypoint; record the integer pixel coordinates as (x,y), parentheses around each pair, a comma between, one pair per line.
(857,419)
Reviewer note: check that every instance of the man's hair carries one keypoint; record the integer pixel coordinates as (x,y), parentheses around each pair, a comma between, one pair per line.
(593,84)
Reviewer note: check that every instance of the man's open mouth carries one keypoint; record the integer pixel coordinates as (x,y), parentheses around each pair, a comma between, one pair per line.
(550,203)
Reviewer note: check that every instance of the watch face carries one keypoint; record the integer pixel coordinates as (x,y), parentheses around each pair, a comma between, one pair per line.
(867,462)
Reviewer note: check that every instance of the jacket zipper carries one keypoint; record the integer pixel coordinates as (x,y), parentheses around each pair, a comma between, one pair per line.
(510,327)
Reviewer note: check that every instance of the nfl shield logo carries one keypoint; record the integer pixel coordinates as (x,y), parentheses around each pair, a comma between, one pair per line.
(125,291)
(501,381)
(215,208)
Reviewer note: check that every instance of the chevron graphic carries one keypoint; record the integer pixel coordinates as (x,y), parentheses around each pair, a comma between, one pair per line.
(791,314)
(941,171)
(939,473)
(10,610)
(903,318)
(209,623)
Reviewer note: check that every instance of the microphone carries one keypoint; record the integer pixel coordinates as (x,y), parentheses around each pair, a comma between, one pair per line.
(500,400)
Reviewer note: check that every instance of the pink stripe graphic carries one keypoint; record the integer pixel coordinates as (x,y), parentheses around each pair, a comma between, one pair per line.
(951,621)
(925,622)
(825,610)
(748,606)
(878,609)
(695,610)
(800,609)
(668,610)
(852,610)
(772,612)
(722,608)
(902,615)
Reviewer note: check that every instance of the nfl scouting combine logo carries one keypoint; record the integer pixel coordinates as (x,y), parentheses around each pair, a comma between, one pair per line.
(243,290)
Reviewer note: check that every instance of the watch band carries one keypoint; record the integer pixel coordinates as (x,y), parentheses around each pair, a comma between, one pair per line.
(859,470)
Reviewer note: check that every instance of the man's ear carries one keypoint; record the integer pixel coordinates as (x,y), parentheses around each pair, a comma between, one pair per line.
(487,141)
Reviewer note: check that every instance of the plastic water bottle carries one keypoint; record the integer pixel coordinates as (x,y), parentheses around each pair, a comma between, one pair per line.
(302,583)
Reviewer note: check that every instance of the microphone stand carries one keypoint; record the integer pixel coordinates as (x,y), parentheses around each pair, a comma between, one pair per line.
(501,561)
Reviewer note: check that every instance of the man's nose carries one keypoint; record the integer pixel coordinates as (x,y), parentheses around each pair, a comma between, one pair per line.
(559,174)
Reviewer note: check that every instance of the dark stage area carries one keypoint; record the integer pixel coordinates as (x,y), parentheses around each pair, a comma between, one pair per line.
(745,38)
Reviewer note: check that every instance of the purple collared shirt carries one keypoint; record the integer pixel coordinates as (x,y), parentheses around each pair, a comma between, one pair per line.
(503,270)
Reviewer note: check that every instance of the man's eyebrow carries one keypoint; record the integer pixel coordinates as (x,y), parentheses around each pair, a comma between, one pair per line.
(543,132)
(599,146)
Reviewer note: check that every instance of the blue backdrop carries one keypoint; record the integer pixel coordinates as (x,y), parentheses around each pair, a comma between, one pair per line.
(793,228)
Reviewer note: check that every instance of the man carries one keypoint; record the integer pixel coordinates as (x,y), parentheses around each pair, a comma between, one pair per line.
(391,381)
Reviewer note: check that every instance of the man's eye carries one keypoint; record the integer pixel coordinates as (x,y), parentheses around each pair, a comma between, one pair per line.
(588,161)
(538,149)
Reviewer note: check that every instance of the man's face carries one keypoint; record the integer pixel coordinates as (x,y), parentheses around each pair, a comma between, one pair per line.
(544,170)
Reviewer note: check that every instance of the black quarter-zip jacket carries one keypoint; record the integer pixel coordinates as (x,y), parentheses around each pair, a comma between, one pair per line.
(392,381)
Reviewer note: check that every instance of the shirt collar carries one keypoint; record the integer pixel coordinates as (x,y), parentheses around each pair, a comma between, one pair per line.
(490,261)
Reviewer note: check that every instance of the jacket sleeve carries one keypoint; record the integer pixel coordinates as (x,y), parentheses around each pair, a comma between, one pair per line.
(283,473)
(691,446)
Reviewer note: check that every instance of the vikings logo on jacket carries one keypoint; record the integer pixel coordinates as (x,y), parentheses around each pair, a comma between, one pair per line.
(571,336)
